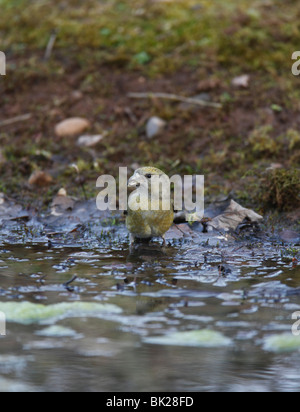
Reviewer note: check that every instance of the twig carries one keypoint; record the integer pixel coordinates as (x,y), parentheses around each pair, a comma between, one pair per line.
(80,180)
(70,281)
(174,97)
(50,45)
(67,284)
(16,119)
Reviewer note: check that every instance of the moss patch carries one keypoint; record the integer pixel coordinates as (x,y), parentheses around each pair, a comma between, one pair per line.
(280,189)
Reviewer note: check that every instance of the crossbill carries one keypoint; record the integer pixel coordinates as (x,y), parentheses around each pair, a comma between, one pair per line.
(150,211)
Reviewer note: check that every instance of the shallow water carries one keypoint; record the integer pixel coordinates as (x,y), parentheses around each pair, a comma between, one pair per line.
(240,293)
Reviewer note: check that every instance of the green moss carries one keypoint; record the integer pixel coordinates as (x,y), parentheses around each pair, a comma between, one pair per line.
(153,34)
(293,137)
(262,142)
(27,313)
(285,342)
(199,338)
(280,189)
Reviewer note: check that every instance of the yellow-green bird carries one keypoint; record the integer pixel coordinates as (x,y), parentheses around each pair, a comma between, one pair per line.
(150,212)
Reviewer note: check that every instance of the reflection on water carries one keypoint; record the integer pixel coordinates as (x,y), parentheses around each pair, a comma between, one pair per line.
(244,292)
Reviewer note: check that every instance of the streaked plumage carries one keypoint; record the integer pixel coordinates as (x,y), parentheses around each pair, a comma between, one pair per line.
(147,224)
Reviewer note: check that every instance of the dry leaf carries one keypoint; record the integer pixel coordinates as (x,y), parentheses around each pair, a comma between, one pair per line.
(233,216)
(208,84)
(40,179)
(61,203)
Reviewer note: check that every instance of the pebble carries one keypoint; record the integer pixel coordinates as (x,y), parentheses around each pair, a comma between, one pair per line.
(290,236)
(89,141)
(241,81)
(71,127)
(155,126)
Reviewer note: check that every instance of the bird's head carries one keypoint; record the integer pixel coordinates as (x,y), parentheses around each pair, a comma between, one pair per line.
(142,177)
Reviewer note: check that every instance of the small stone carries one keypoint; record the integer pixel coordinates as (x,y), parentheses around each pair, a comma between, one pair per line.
(89,141)
(154,127)
(135,166)
(62,192)
(290,236)
(241,81)
(71,127)
(77,95)
(40,179)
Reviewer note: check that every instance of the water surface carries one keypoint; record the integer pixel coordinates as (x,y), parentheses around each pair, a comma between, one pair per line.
(241,293)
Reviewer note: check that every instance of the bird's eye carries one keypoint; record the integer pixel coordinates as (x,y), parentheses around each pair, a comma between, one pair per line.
(148,176)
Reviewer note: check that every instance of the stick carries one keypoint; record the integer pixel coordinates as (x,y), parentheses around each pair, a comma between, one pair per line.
(80,180)
(50,46)
(67,284)
(174,97)
(16,119)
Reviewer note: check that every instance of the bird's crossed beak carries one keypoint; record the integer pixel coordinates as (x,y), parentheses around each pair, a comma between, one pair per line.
(136,181)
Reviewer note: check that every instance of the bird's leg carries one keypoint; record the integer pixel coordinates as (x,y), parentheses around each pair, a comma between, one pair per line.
(164,244)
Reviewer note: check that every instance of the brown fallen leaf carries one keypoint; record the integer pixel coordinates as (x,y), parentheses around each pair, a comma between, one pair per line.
(40,179)
(9,210)
(208,84)
(233,216)
(62,203)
